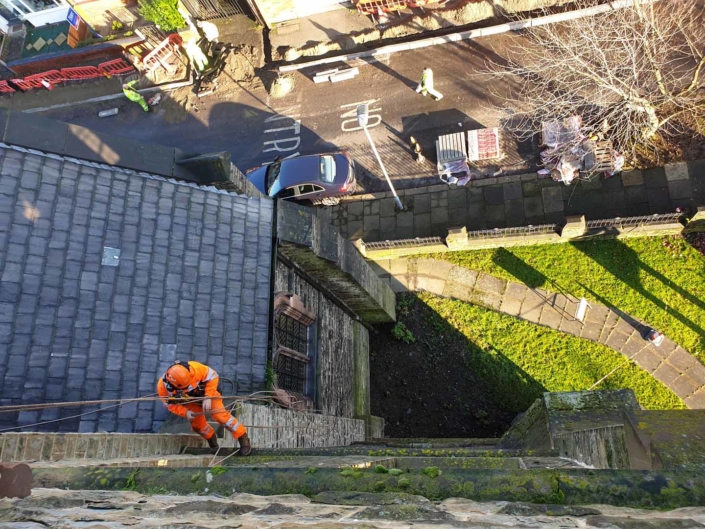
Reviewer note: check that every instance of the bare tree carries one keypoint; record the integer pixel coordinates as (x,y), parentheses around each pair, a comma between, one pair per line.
(633,72)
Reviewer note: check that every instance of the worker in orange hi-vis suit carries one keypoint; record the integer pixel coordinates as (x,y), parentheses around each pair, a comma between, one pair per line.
(192,381)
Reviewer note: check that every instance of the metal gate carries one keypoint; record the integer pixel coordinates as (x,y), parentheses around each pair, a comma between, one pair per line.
(214,9)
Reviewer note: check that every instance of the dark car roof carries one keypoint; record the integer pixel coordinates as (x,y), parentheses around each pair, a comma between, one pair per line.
(304,169)
(299,170)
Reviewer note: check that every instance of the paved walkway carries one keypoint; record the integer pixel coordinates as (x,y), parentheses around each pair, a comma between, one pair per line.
(518,201)
(669,363)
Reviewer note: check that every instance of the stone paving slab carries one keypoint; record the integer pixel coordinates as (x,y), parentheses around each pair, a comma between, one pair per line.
(669,363)
(517,200)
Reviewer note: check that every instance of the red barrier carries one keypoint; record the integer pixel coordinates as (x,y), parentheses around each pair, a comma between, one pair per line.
(26,85)
(52,76)
(115,67)
(81,72)
(6,88)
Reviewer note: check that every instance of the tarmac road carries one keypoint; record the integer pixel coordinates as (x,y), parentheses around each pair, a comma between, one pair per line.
(313,118)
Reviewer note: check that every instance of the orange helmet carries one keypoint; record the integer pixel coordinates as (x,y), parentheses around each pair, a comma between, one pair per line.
(177,376)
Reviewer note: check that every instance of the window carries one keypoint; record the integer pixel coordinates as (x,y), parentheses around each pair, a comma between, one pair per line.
(272,173)
(292,334)
(291,362)
(287,193)
(327,168)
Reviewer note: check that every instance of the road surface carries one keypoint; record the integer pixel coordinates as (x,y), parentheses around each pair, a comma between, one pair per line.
(313,118)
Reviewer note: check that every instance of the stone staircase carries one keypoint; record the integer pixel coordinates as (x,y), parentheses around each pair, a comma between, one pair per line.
(575,448)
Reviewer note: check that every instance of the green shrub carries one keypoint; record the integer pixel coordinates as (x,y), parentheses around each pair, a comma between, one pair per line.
(396,471)
(117,25)
(381,469)
(404,483)
(432,472)
(402,332)
(380,486)
(164,13)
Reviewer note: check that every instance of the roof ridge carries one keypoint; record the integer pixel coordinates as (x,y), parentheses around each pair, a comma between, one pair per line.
(208,188)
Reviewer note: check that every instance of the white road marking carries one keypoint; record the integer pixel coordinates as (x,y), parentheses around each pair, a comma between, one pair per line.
(292,141)
(349,118)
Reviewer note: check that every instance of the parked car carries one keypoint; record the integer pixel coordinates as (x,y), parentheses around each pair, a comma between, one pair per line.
(319,178)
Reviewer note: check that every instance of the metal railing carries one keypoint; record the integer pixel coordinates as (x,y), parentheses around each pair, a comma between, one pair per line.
(404,243)
(519,231)
(645,220)
(215,9)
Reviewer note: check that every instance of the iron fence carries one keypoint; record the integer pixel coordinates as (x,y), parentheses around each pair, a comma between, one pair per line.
(215,9)
(519,231)
(404,243)
(645,220)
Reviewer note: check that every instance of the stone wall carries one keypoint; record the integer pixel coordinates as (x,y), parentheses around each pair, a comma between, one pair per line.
(270,427)
(310,242)
(574,229)
(334,334)
(35,446)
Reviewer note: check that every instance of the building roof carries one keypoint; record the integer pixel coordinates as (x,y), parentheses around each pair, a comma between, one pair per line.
(192,282)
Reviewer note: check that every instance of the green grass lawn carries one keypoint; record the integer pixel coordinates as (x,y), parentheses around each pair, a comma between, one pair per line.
(660,280)
(521,360)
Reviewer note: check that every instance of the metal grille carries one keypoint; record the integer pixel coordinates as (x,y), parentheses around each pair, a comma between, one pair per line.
(214,9)
(291,373)
(404,243)
(292,334)
(518,231)
(656,218)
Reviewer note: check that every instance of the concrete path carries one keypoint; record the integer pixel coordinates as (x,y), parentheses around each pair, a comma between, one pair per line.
(518,201)
(669,363)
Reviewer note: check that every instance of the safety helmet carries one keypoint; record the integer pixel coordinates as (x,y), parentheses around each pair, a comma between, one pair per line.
(177,376)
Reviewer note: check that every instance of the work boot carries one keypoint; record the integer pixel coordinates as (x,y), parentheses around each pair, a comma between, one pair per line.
(245,447)
(213,444)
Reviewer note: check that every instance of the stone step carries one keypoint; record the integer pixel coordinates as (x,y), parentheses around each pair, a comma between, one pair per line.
(425,442)
(635,488)
(377,451)
(489,463)
(172,461)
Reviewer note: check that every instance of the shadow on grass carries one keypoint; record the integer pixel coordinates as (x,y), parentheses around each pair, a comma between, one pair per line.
(624,264)
(515,266)
(443,384)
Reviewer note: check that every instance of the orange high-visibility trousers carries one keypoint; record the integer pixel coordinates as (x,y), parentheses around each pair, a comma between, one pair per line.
(219,414)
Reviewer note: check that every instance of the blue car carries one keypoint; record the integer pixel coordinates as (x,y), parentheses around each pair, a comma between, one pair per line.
(316,178)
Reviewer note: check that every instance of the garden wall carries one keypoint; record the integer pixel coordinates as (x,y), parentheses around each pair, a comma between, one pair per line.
(574,229)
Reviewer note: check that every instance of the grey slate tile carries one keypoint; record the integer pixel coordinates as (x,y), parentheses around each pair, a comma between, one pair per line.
(180,281)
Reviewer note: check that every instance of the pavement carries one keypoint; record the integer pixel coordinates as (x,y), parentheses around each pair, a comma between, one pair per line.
(519,200)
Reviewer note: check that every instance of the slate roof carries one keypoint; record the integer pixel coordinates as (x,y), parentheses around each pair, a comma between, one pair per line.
(192,282)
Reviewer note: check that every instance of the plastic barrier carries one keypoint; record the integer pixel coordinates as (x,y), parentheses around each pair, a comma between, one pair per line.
(6,88)
(81,72)
(25,85)
(116,67)
(52,76)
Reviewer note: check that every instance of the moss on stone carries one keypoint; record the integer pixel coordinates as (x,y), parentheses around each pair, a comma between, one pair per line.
(663,490)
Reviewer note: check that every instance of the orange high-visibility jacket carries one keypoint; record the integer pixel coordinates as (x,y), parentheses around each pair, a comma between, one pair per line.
(203,383)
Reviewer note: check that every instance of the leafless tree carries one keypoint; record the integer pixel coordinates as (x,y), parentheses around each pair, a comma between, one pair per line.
(633,72)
